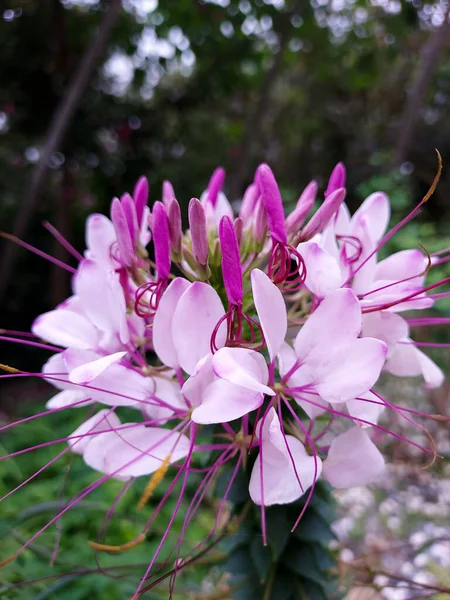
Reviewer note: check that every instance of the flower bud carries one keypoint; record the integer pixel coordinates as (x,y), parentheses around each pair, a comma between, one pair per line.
(337,179)
(273,203)
(124,240)
(168,193)
(231,262)
(175,227)
(199,236)
(161,240)
(305,203)
(323,214)
(140,196)
(215,185)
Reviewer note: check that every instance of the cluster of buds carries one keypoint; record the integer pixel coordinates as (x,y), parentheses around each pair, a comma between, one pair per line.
(270,330)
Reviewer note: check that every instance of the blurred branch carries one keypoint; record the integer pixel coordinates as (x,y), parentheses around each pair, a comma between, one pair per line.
(428,62)
(58,127)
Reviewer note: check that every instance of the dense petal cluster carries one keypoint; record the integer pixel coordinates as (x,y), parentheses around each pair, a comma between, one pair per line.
(270,330)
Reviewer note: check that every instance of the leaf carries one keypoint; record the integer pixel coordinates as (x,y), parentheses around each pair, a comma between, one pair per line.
(283,586)
(300,559)
(312,528)
(261,557)
(279,527)
(239,490)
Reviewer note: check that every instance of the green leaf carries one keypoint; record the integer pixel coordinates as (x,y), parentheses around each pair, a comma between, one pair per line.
(279,527)
(261,557)
(300,559)
(312,528)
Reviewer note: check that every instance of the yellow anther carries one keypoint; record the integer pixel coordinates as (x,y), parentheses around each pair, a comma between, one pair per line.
(153,483)
(9,370)
(122,548)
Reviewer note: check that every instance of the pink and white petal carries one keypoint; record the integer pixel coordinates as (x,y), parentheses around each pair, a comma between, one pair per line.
(162,322)
(69,399)
(323,273)
(342,220)
(352,371)
(87,372)
(56,372)
(385,326)
(166,400)
(224,401)
(366,407)
(312,404)
(364,268)
(377,211)
(401,265)
(66,328)
(100,237)
(197,313)
(137,451)
(353,459)
(286,359)
(408,361)
(335,322)
(271,309)
(203,375)
(242,367)
(104,420)
(281,482)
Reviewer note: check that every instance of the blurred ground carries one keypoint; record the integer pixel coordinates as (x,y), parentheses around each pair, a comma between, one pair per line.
(396,534)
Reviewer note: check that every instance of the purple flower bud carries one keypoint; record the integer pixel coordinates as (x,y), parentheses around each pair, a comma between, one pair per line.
(168,193)
(140,196)
(249,200)
(305,203)
(231,262)
(129,209)
(238,228)
(215,185)
(124,240)
(273,203)
(337,179)
(323,214)
(175,226)
(260,227)
(199,235)
(161,239)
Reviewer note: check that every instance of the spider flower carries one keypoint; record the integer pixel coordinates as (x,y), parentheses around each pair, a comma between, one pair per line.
(244,329)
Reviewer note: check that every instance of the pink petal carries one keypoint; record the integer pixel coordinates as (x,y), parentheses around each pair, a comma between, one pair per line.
(231,262)
(271,309)
(353,459)
(203,375)
(224,401)
(335,322)
(367,407)
(140,195)
(282,483)
(242,367)
(385,326)
(100,237)
(102,421)
(215,185)
(162,322)
(68,399)
(124,239)
(352,371)
(408,361)
(377,211)
(196,315)
(137,451)
(323,274)
(337,179)
(403,264)
(66,328)
(89,371)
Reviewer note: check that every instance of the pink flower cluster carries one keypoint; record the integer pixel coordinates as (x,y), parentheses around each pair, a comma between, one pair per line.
(270,330)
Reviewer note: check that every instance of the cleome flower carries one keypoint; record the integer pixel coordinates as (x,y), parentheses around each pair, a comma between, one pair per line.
(262,332)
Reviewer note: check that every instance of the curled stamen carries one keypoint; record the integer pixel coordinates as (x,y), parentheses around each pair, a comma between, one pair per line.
(286,268)
(122,548)
(242,331)
(153,483)
(155,289)
(354,243)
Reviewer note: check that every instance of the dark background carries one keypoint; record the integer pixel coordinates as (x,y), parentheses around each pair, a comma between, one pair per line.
(94,94)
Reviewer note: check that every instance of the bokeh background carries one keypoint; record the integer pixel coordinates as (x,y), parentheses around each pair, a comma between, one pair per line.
(95,93)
